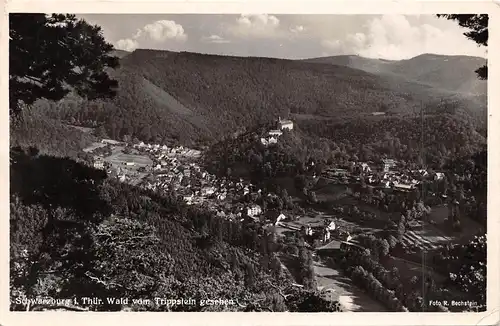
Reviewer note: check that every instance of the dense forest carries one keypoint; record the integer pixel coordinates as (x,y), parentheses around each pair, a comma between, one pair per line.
(195,98)
(446,139)
(81,234)
(49,136)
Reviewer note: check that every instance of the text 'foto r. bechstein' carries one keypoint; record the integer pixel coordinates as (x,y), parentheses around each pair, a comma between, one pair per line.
(314,170)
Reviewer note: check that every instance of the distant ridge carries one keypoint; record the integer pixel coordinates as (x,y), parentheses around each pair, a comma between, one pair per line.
(191,97)
(119,53)
(454,73)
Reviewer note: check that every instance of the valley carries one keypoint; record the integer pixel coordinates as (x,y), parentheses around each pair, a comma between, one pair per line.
(330,184)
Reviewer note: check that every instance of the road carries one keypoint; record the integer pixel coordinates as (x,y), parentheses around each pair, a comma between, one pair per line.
(340,287)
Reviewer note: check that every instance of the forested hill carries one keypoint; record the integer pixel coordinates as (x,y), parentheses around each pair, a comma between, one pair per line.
(453,73)
(188,97)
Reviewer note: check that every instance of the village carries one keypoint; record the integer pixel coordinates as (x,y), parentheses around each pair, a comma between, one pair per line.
(159,167)
(325,231)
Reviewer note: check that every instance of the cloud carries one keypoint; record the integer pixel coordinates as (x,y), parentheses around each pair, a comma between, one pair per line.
(255,25)
(127,44)
(297,29)
(160,31)
(165,30)
(215,39)
(399,37)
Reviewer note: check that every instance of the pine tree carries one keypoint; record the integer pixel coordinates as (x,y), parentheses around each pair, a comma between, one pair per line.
(51,55)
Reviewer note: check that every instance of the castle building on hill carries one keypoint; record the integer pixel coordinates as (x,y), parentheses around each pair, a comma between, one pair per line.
(285,124)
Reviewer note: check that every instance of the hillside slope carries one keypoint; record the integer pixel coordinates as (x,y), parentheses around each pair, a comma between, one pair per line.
(451,73)
(189,97)
(81,234)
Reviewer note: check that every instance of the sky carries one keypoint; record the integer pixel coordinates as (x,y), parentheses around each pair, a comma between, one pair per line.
(392,37)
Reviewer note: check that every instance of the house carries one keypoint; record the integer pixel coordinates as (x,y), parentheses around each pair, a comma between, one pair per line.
(439,176)
(350,246)
(207,191)
(341,235)
(404,187)
(336,172)
(285,124)
(365,168)
(280,218)
(387,164)
(307,230)
(110,142)
(275,216)
(98,163)
(272,140)
(254,210)
(275,133)
(188,198)
(385,184)
(326,234)
(423,172)
(331,247)
(330,225)
(264,141)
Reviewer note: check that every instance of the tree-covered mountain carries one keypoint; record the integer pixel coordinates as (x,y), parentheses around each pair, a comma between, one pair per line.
(446,72)
(188,97)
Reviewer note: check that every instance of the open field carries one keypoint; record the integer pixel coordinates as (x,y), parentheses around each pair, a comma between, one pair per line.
(305,116)
(84,129)
(469,226)
(93,147)
(408,269)
(425,236)
(118,158)
(330,192)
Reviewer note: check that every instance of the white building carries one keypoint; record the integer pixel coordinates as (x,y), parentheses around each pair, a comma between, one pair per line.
(404,187)
(326,235)
(280,218)
(286,124)
(207,191)
(308,230)
(98,163)
(439,176)
(254,210)
(110,141)
(270,140)
(331,226)
(275,133)
(188,199)
(365,167)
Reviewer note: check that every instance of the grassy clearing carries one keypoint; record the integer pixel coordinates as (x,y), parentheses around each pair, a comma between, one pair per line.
(120,158)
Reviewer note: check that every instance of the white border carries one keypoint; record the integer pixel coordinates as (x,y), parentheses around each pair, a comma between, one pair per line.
(273,7)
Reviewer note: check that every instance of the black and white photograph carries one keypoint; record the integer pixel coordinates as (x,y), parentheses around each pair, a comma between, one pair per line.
(248,162)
